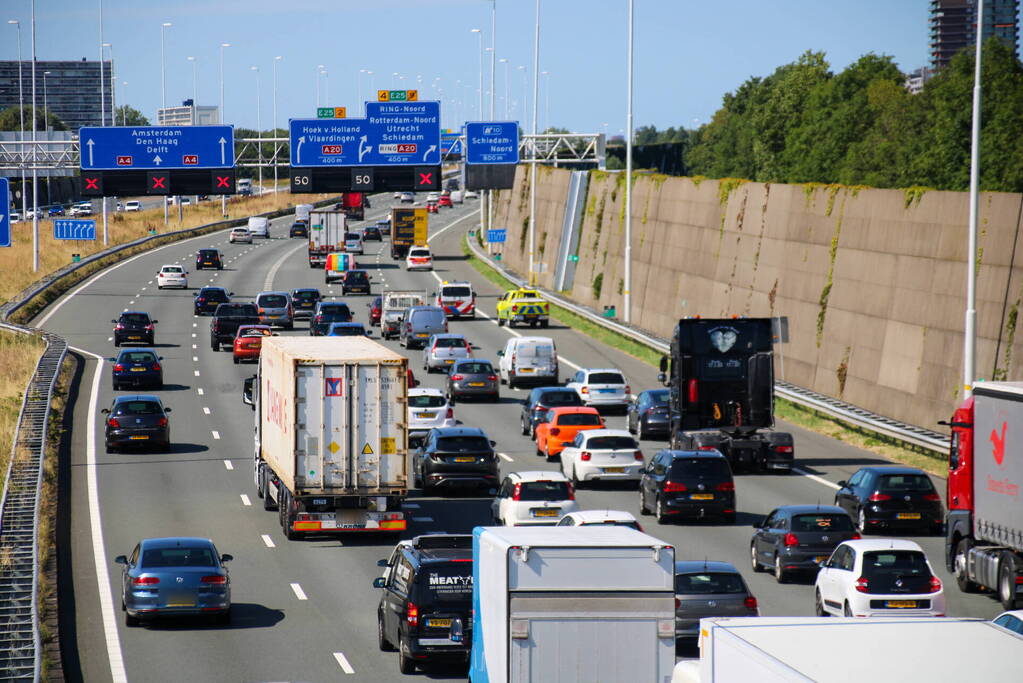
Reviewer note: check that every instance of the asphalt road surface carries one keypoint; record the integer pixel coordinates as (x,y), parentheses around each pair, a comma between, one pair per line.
(306,610)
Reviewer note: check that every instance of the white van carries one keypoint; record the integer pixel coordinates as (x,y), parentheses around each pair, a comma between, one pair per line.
(457,197)
(259,226)
(302,212)
(528,360)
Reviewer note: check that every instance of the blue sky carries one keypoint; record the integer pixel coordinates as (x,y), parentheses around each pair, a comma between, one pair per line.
(688,52)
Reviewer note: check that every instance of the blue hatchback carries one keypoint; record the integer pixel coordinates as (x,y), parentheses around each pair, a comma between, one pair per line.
(137,368)
(177,576)
(346,330)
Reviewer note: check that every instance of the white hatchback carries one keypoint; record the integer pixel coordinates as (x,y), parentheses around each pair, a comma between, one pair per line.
(429,408)
(172,276)
(878,578)
(133,205)
(419,258)
(533,499)
(602,454)
(240,235)
(599,387)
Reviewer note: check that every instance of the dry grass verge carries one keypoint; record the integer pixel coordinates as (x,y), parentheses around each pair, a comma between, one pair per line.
(19,354)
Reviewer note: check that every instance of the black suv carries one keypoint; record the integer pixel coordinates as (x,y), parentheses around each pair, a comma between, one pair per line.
(134,327)
(209,258)
(325,313)
(372,232)
(304,301)
(355,282)
(425,607)
(542,399)
(455,456)
(891,498)
(687,483)
(208,298)
(298,229)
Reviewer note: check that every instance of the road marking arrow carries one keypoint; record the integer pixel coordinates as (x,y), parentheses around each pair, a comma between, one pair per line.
(157,160)
(222,142)
(90,143)
(429,149)
(298,150)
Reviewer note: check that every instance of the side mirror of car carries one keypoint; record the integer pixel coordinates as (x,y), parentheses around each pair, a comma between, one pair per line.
(159,358)
(230,293)
(195,294)
(842,483)
(112,360)
(114,321)
(493,443)
(121,559)
(379,582)
(382,563)
(226,558)
(167,410)
(105,411)
(155,321)
(500,354)
(663,366)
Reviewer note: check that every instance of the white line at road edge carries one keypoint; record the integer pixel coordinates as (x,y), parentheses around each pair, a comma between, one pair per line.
(814,477)
(299,593)
(99,551)
(343,662)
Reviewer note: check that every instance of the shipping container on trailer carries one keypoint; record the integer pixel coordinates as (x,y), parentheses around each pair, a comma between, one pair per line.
(326,235)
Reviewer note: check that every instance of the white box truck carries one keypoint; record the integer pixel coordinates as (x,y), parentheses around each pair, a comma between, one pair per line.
(331,451)
(829,650)
(326,235)
(302,212)
(594,604)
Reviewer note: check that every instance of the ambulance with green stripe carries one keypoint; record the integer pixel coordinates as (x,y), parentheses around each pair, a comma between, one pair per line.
(522,306)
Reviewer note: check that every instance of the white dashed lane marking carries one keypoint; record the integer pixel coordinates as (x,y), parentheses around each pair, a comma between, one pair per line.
(343,663)
(245,500)
(228,464)
(299,593)
(269,542)
(216,434)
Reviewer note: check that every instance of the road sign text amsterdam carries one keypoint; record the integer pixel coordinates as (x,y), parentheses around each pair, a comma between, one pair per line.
(492,142)
(156,147)
(72,229)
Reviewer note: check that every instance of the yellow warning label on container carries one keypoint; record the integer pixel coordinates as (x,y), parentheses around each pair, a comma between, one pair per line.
(387,446)
(333,447)
(367,449)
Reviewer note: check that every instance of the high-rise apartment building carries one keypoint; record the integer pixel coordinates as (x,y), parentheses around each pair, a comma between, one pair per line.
(70,90)
(954,26)
(188,114)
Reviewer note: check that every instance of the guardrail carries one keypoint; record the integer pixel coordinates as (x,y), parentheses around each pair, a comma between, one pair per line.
(859,417)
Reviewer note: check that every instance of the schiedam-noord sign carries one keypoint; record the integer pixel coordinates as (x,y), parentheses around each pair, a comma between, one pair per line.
(492,142)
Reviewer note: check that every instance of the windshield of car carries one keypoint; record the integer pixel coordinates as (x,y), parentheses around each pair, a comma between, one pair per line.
(426,401)
(138,408)
(606,378)
(138,357)
(347,331)
(172,269)
(560,398)
(177,557)
(579,419)
(543,490)
(708,583)
(335,309)
(909,483)
(445,583)
(463,444)
(475,368)
(419,252)
(305,295)
(208,253)
(356,276)
(213,294)
(822,522)
(881,563)
(614,522)
(456,291)
(611,443)
(272,301)
(427,318)
(254,332)
(135,318)
(449,343)
(535,349)
(700,467)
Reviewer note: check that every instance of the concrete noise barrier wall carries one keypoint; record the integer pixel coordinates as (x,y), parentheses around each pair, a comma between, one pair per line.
(873,281)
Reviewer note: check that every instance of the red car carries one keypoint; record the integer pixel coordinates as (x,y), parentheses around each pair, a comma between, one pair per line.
(375,310)
(431,207)
(249,341)
(445,200)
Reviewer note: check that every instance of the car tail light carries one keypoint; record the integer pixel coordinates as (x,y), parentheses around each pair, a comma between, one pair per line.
(146,581)
(412,614)
(878,497)
(586,455)
(214,578)
(862,584)
(855,537)
(119,368)
(162,422)
(457,378)
(201,299)
(555,431)
(783,449)
(113,422)
(639,456)
(584,390)
(935,584)
(650,411)
(678,603)
(791,540)
(571,492)
(694,391)
(725,486)
(492,378)
(451,413)
(750,602)
(932,497)
(261,311)
(707,448)
(156,366)
(674,487)
(119,326)
(539,408)
(517,492)
(628,390)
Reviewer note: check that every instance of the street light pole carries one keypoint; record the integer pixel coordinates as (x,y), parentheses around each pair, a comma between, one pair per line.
(627,285)
(493,54)
(480,110)
(102,85)
(223,197)
(102,97)
(274,123)
(124,110)
(532,169)
(259,129)
(21,125)
(970,333)
(505,62)
(195,87)
(163,65)
(525,92)
(35,172)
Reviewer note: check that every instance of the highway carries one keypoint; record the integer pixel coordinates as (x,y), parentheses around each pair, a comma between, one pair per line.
(306,610)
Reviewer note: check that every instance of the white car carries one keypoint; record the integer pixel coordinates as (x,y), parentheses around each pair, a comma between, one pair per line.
(600,518)
(599,387)
(353,242)
(419,258)
(878,578)
(471,194)
(172,276)
(397,195)
(240,235)
(15,217)
(133,205)
(429,408)
(533,499)
(602,454)
(433,196)
(408,197)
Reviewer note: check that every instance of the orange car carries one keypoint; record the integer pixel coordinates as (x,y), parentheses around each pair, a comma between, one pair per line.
(248,341)
(561,426)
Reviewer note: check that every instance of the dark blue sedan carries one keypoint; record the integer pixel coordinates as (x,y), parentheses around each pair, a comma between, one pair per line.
(137,368)
(346,330)
(137,421)
(177,576)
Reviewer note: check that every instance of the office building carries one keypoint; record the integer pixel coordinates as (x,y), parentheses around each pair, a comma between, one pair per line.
(954,26)
(71,90)
(188,114)
(915,79)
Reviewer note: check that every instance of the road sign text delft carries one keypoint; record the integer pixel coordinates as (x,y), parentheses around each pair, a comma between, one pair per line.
(392,134)
(492,142)
(156,147)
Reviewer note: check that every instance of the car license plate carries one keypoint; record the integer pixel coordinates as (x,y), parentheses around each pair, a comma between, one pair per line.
(606,391)
(465,459)
(900,604)
(138,369)
(908,515)
(274,316)
(476,384)
(134,337)
(182,603)
(546,512)
(422,334)
(449,361)
(702,496)
(525,369)
(438,623)
(139,437)
(424,416)
(613,470)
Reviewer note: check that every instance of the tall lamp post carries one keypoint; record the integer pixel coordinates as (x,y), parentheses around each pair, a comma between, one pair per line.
(970,331)
(102,99)
(483,195)
(259,129)
(195,86)
(163,64)
(223,117)
(277,59)
(532,169)
(35,154)
(627,285)
(21,125)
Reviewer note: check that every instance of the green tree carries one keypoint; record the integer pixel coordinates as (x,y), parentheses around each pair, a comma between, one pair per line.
(126,115)
(10,119)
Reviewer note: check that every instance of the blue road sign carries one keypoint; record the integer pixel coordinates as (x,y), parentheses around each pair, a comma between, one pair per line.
(72,229)
(496,236)
(450,143)
(156,147)
(392,134)
(492,142)
(5,213)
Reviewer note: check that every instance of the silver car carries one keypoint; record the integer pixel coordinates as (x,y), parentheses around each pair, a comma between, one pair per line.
(419,324)
(175,576)
(709,589)
(442,350)
(275,308)
(471,377)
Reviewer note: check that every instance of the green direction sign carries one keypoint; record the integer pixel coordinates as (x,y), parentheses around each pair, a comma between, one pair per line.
(497,257)
(331,112)
(397,96)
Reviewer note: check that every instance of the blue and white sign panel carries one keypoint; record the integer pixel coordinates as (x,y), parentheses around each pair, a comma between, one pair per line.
(492,142)
(156,147)
(496,236)
(5,212)
(72,229)
(450,143)
(392,134)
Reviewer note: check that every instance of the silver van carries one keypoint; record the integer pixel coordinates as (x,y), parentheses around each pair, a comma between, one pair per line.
(420,323)
(528,360)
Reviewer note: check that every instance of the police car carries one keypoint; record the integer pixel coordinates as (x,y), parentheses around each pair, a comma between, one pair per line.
(458,299)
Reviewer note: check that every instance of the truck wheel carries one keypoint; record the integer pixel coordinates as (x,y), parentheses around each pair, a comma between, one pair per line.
(382,642)
(1007,581)
(959,568)
(754,562)
(214,344)
(268,504)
